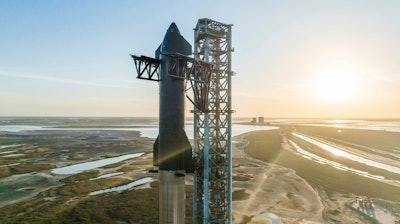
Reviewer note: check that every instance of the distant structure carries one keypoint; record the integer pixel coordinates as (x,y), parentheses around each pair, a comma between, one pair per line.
(365,206)
(260,120)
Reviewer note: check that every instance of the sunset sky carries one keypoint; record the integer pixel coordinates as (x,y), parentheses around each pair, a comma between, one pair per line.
(338,59)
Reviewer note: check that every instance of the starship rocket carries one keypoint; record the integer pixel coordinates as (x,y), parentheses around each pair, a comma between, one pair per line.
(172,150)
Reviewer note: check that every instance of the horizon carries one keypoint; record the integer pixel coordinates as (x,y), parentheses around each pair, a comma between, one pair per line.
(339,119)
(307,59)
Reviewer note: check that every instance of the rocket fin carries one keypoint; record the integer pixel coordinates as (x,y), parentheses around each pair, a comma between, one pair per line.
(155,152)
(187,154)
(186,47)
(175,154)
(158,52)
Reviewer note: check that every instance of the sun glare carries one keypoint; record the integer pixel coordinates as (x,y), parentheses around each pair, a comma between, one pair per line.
(335,85)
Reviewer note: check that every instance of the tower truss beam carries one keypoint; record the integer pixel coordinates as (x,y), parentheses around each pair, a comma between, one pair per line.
(147,67)
(196,72)
(212,196)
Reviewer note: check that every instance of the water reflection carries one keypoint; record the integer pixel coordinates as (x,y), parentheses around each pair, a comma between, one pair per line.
(347,155)
(18,128)
(124,187)
(78,168)
(336,165)
(9,146)
(10,165)
(7,152)
(238,129)
(106,175)
(13,155)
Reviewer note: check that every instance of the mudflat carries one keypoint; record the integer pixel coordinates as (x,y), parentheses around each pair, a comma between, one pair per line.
(271,183)
(334,187)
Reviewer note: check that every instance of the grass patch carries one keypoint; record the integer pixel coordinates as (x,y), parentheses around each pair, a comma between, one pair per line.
(81,176)
(24,168)
(147,162)
(134,206)
(85,187)
(77,157)
(22,186)
(127,168)
(114,165)
(268,144)
(289,195)
(240,195)
(240,178)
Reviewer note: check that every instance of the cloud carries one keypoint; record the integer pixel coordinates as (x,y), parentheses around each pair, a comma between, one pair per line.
(60,80)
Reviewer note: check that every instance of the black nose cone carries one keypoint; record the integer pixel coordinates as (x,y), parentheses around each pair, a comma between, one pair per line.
(174,42)
(173,29)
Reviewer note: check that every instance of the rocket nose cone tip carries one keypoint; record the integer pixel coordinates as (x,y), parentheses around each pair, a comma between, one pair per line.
(173,28)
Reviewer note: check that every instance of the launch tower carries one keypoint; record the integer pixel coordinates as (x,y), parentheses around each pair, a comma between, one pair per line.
(212,196)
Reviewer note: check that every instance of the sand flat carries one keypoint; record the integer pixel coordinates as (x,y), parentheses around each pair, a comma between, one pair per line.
(273,189)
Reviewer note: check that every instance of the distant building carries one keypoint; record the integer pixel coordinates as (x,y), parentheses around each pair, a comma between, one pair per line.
(254,120)
(261,120)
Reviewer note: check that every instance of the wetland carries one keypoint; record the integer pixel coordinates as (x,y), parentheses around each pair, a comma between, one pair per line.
(93,170)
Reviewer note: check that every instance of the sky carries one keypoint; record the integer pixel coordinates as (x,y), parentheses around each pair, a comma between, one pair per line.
(333,59)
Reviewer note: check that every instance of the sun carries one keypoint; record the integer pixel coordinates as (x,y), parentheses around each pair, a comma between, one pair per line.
(336,84)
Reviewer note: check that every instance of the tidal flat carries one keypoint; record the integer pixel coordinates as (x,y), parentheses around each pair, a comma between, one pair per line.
(335,186)
(47,154)
(272,182)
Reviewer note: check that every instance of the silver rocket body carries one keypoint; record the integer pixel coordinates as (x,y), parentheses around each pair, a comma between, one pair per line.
(172,149)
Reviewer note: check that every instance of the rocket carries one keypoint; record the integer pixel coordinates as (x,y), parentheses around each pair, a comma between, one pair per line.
(172,152)
(172,149)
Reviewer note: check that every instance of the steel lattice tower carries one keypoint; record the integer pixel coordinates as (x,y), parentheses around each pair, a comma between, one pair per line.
(212,196)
